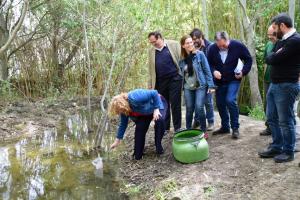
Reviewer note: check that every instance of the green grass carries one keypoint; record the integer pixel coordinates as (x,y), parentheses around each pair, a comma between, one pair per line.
(166,188)
(257,112)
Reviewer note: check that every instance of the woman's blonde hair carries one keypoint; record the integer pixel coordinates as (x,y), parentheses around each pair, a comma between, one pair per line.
(119,105)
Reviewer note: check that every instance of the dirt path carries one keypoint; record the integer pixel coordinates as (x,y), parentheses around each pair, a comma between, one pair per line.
(233,171)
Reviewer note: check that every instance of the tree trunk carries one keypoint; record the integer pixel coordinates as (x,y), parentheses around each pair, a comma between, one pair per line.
(3,66)
(250,41)
(292,9)
(3,56)
(204,15)
(86,44)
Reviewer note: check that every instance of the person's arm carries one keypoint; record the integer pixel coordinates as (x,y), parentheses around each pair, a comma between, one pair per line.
(121,131)
(122,126)
(156,98)
(206,70)
(247,59)
(283,54)
(213,67)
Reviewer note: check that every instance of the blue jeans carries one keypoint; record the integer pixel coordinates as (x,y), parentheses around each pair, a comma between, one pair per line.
(209,109)
(194,100)
(280,115)
(226,98)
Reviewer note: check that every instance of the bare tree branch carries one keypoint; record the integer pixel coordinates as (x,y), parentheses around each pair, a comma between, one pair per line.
(17,27)
(34,32)
(73,51)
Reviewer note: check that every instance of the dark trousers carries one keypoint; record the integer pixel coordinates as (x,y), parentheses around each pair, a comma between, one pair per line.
(170,89)
(142,126)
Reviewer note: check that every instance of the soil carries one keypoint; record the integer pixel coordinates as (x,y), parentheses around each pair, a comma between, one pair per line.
(233,170)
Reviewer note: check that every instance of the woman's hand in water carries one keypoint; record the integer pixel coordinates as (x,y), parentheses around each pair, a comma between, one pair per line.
(115,144)
(156,114)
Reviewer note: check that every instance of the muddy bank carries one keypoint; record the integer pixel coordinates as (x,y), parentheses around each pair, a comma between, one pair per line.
(25,118)
(233,171)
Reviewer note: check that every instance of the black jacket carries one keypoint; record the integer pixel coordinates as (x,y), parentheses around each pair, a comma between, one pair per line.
(285,60)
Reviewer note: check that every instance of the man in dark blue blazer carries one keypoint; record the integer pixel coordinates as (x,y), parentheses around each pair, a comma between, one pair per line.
(224,57)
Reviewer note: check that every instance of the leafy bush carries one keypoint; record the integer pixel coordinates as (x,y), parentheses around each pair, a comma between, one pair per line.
(257,112)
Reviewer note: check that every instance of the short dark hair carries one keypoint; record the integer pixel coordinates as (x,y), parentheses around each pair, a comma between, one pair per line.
(156,34)
(283,18)
(197,33)
(221,35)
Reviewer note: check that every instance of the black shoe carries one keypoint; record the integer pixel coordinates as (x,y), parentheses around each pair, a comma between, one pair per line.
(160,152)
(284,157)
(196,125)
(159,149)
(221,131)
(235,134)
(269,153)
(265,132)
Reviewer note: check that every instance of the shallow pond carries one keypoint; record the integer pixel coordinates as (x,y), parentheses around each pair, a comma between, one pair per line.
(58,165)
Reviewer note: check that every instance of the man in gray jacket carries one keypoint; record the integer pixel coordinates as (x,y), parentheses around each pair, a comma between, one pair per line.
(165,75)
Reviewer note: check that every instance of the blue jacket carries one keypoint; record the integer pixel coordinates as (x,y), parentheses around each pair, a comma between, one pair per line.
(202,70)
(236,50)
(141,101)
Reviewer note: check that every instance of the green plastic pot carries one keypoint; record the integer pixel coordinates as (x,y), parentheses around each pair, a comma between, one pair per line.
(190,146)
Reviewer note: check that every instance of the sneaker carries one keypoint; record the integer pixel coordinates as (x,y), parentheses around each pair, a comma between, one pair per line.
(265,132)
(166,132)
(221,131)
(284,157)
(210,126)
(235,134)
(178,130)
(269,153)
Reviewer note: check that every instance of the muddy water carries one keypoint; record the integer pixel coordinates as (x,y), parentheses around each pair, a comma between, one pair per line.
(57,164)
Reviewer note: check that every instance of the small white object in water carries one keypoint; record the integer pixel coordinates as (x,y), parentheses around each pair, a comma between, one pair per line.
(98,163)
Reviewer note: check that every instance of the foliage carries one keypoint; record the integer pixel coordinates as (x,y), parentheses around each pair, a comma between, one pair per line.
(166,187)
(131,190)
(208,191)
(53,62)
(257,112)
(8,92)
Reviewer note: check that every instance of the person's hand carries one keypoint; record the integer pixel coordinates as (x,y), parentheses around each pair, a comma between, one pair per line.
(217,75)
(115,144)
(156,114)
(210,90)
(239,76)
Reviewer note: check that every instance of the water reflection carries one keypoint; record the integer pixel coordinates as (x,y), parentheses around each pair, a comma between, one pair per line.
(58,165)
